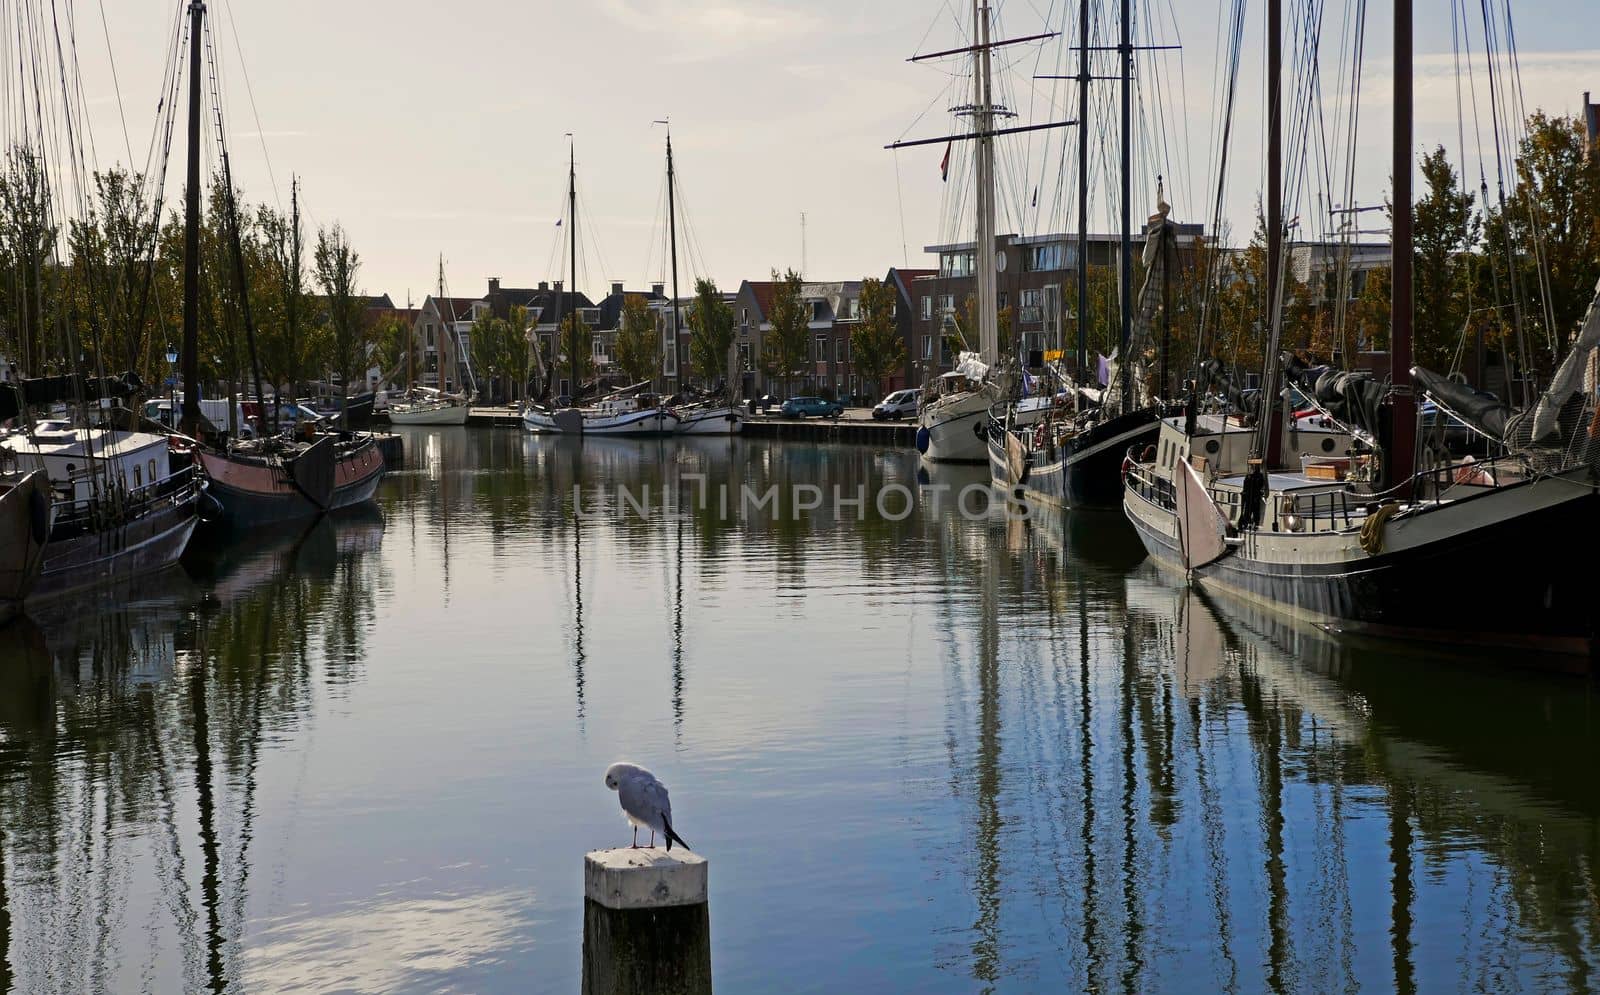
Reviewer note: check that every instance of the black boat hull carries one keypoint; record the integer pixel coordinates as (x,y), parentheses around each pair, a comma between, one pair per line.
(1086,473)
(141,543)
(1511,568)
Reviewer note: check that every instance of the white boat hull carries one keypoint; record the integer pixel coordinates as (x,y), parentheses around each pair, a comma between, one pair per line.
(428,414)
(711,421)
(955,430)
(638,424)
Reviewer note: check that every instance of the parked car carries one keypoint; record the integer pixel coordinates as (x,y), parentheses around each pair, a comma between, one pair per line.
(896,406)
(801,407)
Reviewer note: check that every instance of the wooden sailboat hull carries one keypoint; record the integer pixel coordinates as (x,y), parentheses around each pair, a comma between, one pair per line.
(24,530)
(139,542)
(254,492)
(1084,473)
(634,424)
(1510,567)
(450,413)
(711,421)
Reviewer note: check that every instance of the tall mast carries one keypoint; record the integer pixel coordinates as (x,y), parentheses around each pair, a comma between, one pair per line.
(1270,416)
(983,127)
(444,330)
(1403,425)
(672,240)
(1083,187)
(1125,56)
(572,235)
(191,233)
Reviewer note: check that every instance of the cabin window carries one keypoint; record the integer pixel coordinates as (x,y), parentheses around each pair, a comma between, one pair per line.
(152,471)
(137,483)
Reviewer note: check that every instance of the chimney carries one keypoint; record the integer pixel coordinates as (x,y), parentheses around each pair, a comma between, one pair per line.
(616,288)
(494,285)
(656,289)
(544,284)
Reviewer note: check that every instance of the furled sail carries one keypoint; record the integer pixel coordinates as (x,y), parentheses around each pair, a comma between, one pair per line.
(1483,412)
(1139,338)
(1569,375)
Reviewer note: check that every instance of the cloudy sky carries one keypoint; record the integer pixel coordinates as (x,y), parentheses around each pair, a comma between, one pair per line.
(433,130)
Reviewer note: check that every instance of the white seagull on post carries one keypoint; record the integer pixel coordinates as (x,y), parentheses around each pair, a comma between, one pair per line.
(644,801)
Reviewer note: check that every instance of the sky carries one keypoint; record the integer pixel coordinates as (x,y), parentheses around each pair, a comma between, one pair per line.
(429,130)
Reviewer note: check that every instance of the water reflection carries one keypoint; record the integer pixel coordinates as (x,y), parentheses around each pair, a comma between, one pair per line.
(996,755)
(131,728)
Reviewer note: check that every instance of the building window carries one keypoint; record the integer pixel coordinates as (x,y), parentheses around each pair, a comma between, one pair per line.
(1044,258)
(822,349)
(430,336)
(744,356)
(956,263)
(744,316)
(927,347)
(927,308)
(1003,300)
(947,304)
(838,349)
(669,352)
(599,348)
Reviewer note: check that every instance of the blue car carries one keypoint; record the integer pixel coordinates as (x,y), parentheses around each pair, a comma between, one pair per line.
(801,407)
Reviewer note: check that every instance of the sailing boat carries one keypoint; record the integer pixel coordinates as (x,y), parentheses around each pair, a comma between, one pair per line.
(429,405)
(1075,460)
(277,478)
(1363,543)
(632,411)
(717,415)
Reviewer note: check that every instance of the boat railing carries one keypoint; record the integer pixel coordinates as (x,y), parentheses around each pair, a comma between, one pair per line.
(1156,489)
(114,501)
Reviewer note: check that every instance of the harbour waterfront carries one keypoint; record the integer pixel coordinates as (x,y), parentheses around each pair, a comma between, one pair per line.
(948,752)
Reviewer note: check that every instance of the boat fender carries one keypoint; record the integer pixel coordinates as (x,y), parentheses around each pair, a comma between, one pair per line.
(38,516)
(1038,436)
(1127,465)
(1372,528)
(922,440)
(980,430)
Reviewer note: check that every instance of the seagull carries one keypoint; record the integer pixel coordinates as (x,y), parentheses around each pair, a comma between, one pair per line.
(644,801)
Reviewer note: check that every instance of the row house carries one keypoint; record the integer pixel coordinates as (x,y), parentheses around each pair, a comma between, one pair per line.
(833,313)
(441,339)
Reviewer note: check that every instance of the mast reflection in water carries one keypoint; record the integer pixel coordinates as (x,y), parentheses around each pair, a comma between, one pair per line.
(995,755)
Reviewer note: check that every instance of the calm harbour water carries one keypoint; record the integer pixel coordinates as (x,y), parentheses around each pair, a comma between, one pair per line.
(944,754)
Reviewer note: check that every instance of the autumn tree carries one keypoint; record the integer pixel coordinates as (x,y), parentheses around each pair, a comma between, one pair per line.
(876,346)
(1543,241)
(1445,227)
(575,345)
(711,332)
(638,351)
(337,268)
(790,318)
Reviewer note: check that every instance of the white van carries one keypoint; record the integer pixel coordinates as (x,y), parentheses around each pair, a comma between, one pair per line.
(215,410)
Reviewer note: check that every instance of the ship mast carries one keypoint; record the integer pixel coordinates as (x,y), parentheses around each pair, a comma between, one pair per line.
(1402,411)
(1270,416)
(572,235)
(1083,188)
(672,240)
(1125,56)
(983,127)
(191,234)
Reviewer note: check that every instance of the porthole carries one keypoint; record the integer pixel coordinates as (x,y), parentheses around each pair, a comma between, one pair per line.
(1212,445)
(1327,445)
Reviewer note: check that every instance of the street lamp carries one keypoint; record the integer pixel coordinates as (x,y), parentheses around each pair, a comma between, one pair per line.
(172,378)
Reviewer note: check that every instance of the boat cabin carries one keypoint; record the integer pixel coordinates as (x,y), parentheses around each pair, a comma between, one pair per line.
(79,461)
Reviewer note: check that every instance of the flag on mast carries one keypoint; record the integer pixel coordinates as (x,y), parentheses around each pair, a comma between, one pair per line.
(944,164)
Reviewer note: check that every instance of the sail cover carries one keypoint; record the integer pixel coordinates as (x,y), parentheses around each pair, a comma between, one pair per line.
(1484,412)
(1139,339)
(1350,398)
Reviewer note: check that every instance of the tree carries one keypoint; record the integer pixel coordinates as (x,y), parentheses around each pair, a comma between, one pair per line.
(575,342)
(1444,229)
(791,320)
(876,345)
(28,237)
(711,332)
(1548,227)
(392,340)
(965,336)
(337,266)
(638,351)
(500,349)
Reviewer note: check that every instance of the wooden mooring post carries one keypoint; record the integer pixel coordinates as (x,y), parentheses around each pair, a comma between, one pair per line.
(646,923)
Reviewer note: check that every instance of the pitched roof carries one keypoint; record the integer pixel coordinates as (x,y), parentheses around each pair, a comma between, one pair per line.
(454,308)
(763,291)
